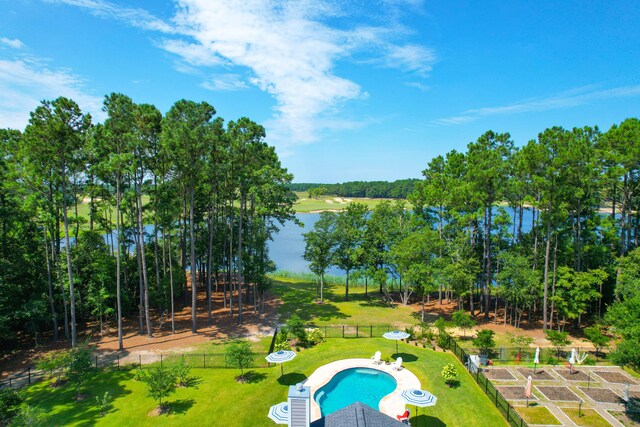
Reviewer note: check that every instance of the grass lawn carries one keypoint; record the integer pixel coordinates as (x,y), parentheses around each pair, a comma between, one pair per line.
(589,417)
(298,297)
(304,204)
(220,400)
(537,415)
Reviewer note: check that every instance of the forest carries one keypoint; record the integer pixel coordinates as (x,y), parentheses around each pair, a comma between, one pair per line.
(576,263)
(180,197)
(399,189)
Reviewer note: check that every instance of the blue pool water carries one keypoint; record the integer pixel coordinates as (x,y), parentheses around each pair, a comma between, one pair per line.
(354,385)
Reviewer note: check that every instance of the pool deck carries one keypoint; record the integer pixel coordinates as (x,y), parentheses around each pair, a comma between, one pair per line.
(391,404)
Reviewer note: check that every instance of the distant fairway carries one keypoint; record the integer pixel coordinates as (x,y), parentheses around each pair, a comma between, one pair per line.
(330,203)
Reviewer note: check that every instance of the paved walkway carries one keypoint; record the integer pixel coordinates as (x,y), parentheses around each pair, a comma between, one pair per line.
(391,404)
(559,378)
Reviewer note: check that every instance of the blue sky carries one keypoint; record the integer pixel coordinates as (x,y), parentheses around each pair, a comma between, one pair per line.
(353,90)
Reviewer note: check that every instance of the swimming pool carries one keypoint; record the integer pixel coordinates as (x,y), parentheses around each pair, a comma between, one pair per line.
(354,385)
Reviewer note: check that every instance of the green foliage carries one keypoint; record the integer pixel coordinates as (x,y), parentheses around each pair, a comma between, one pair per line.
(596,337)
(239,355)
(181,370)
(80,366)
(520,340)
(29,416)
(160,381)
(10,401)
(589,361)
(282,341)
(412,333)
(314,336)
(484,340)
(295,327)
(449,374)
(103,403)
(627,353)
(441,325)
(463,320)
(55,364)
(558,339)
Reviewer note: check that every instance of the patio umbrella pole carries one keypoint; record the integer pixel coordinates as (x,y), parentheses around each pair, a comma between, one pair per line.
(281,370)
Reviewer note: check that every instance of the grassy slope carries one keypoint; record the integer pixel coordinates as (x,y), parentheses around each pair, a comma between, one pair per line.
(305,204)
(298,295)
(219,397)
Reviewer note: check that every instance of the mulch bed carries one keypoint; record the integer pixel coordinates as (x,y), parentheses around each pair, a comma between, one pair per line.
(603,395)
(615,377)
(575,376)
(540,374)
(514,393)
(558,394)
(498,374)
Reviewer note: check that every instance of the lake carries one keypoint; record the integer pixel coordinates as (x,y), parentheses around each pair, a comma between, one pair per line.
(287,247)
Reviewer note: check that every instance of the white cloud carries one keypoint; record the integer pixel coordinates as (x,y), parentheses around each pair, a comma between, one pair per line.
(568,99)
(133,16)
(225,82)
(12,43)
(25,82)
(414,58)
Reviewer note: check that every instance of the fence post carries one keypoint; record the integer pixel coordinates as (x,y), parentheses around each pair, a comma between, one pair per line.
(370,331)
(357,334)
(118,362)
(29,374)
(204,360)
(161,360)
(96,362)
(342,331)
(140,360)
(496,398)
(508,408)
(10,382)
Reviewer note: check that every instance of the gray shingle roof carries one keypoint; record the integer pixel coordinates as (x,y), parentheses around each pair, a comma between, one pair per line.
(357,415)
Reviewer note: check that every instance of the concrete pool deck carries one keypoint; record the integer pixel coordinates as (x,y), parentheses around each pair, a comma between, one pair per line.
(391,404)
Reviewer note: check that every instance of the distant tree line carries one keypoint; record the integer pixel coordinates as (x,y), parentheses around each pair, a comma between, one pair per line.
(579,257)
(105,221)
(399,189)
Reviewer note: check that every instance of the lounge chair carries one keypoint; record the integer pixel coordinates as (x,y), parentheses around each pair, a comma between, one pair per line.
(376,358)
(404,418)
(397,364)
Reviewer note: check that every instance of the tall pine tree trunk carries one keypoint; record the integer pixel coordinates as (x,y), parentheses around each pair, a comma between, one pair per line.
(72,295)
(194,326)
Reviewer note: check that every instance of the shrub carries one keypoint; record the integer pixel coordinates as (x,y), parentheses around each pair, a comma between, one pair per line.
(552,361)
(181,370)
(103,403)
(295,327)
(80,366)
(10,401)
(595,336)
(463,320)
(314,336)
(55,364)
(450,374)
(558,339)
(30,416)
(412,333)
(443,342)
(589,361)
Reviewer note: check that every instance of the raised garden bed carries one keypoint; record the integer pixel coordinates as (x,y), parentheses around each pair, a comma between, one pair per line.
(615,377)
(603,395)
(498,374)
(576,375)
(540,374)
(558,394)
(514,393)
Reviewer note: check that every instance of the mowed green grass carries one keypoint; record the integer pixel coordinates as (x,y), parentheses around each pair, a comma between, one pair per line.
(304,204)
(537,415)
(220,400)
(298,298)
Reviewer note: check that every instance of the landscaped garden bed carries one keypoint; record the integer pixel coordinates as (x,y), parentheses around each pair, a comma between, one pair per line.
(558,394)
(539,375)
(615,377)
(604,395)
(514,393)
(574,375)
(498,374)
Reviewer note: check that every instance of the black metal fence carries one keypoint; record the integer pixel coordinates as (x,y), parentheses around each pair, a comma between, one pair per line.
(353,331)
(525,355)
(494,395)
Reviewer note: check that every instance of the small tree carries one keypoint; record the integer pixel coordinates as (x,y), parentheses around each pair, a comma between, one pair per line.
(55,364)
(450,374)
(239,355)
(558,339)
(102,403)
(182,370)
(441,325)
(520,340)
(484,341)
(295,327)
(596,337)
(463,320)
(79,366)
(161,383)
